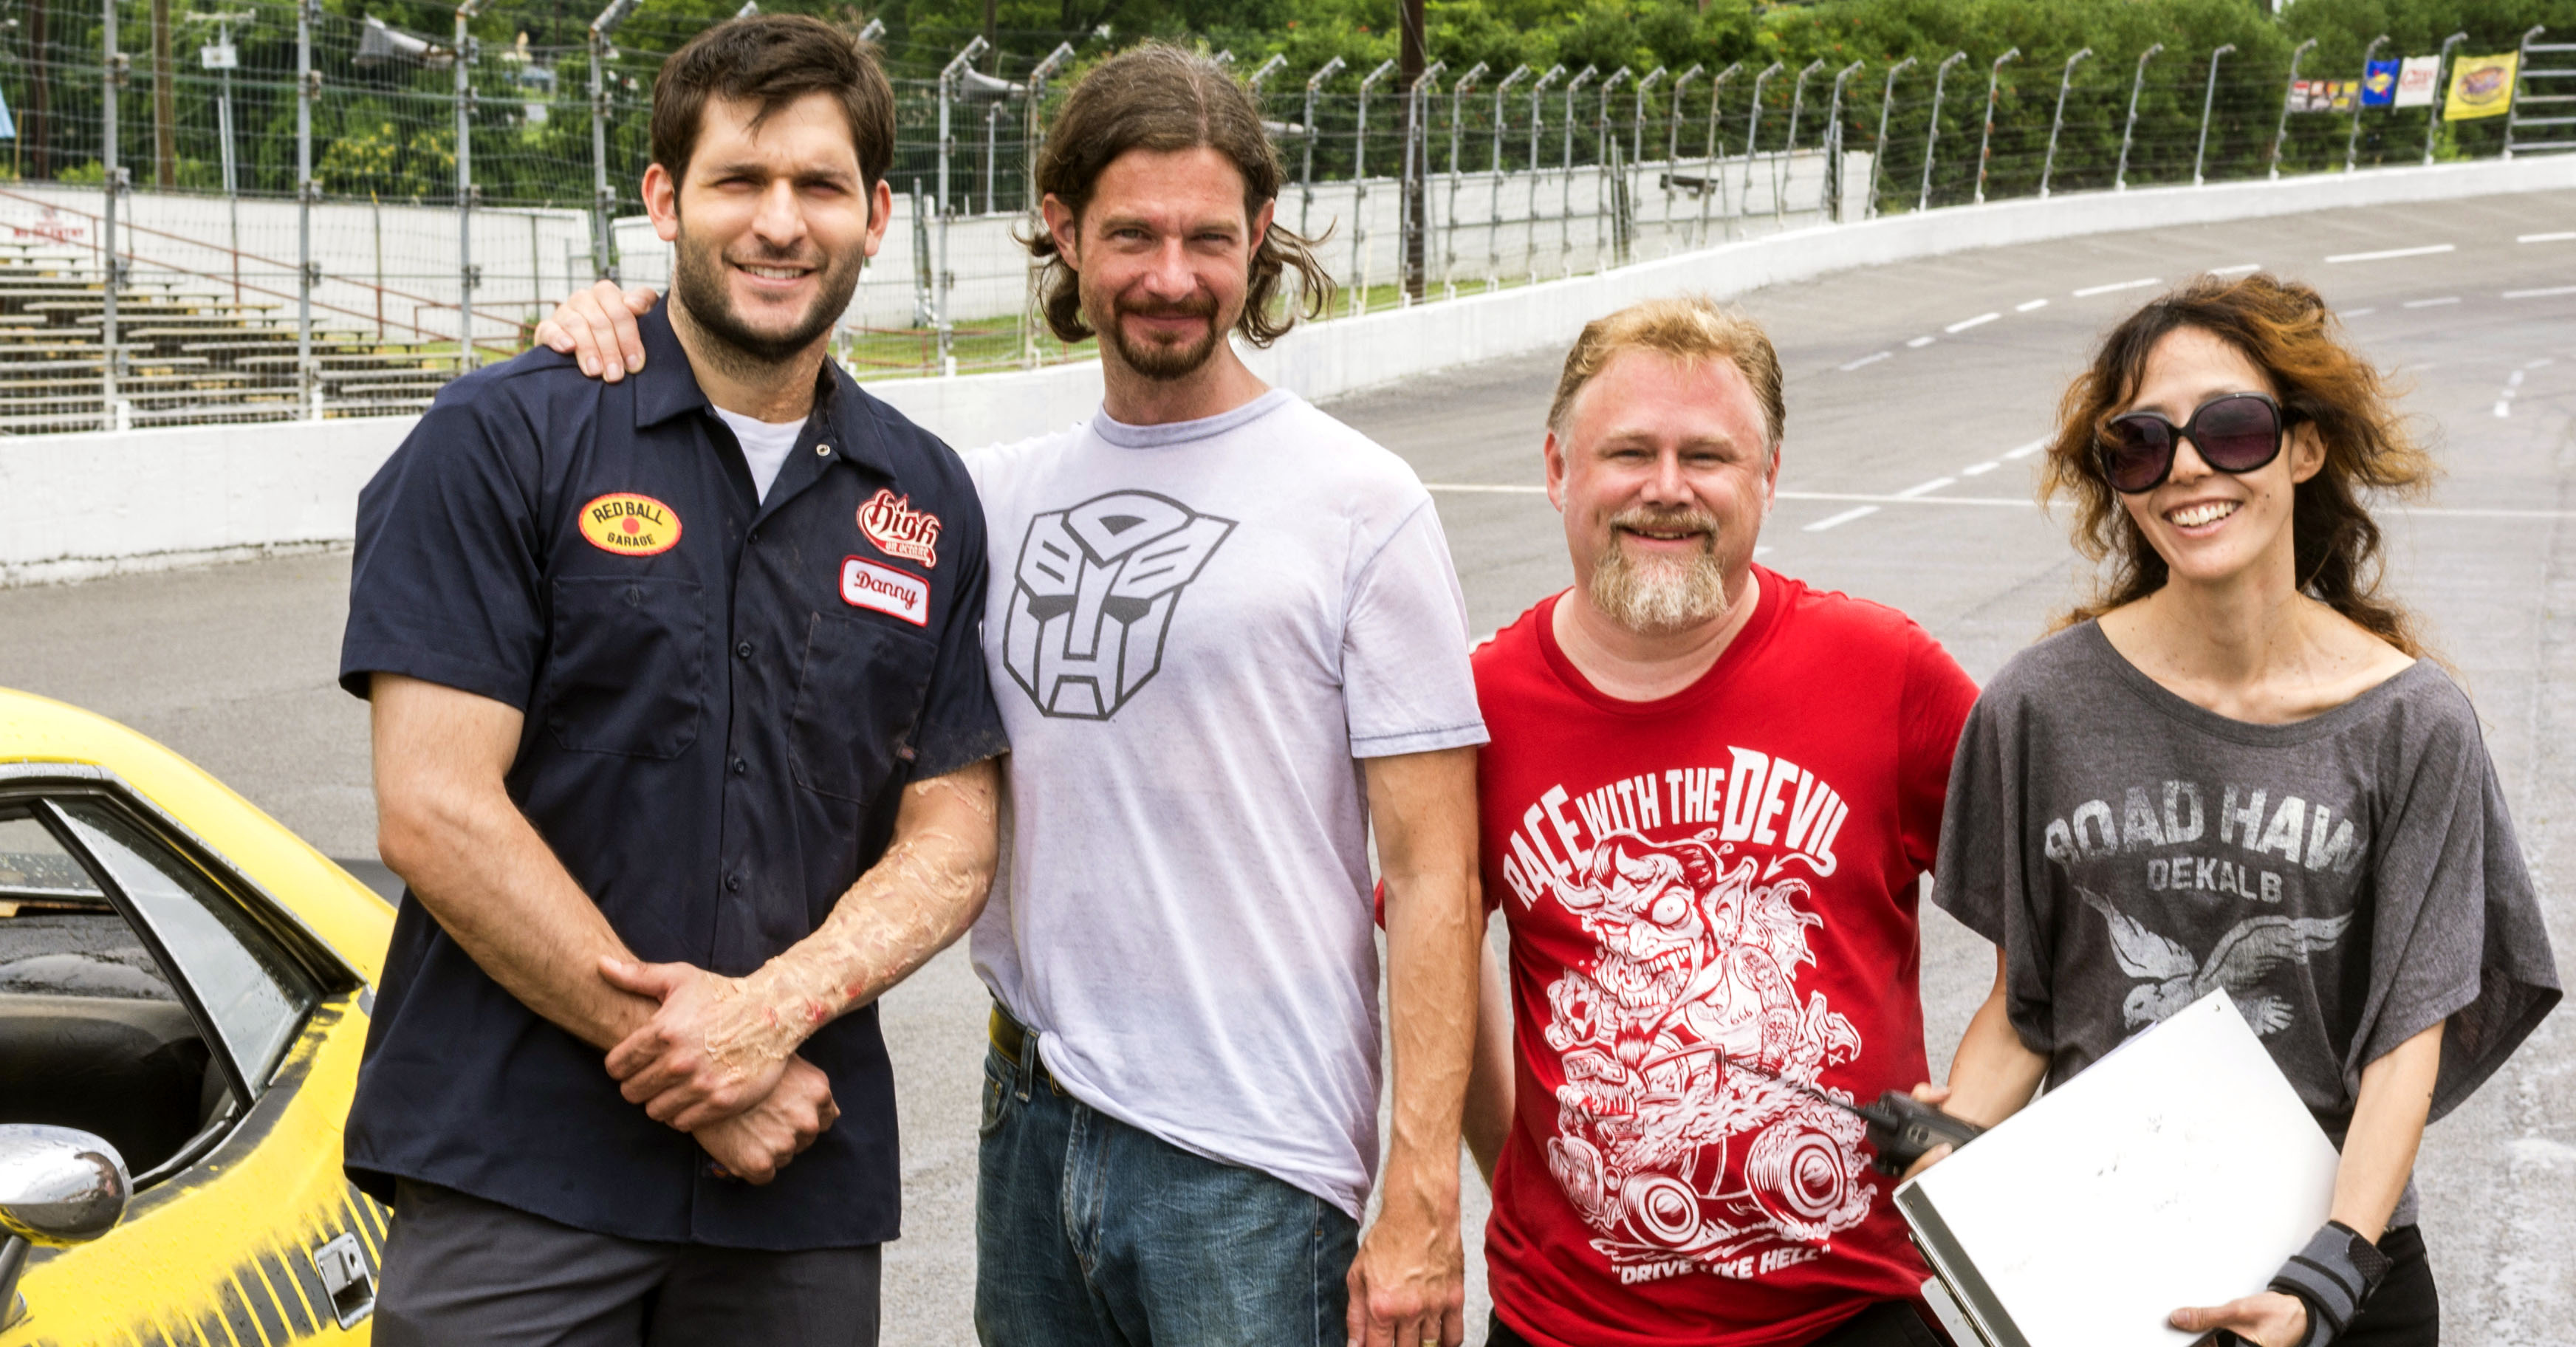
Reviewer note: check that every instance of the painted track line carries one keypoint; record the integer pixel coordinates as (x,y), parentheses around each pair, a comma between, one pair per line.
(2559,237)
(2541,294)
(1964,324)
(2430,303)
(1918,343)
(1835,520)
(2237,270)
(1926,488)
(1980,469)
(2141,283)
(2026,450)
(2029,304)
(1864,360)
(2385,254)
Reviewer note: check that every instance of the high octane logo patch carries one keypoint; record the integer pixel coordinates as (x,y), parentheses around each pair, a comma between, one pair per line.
(899,530)
(630,525)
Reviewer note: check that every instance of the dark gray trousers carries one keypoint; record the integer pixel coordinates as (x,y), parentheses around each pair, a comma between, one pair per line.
(462,1270)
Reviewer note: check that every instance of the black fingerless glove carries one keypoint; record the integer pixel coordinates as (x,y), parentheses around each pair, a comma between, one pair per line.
(2332,1277)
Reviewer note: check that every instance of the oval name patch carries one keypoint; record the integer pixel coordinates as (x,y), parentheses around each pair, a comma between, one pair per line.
(630,525)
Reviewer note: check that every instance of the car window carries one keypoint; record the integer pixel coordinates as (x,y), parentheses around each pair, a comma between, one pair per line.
(58,935)
(254,995)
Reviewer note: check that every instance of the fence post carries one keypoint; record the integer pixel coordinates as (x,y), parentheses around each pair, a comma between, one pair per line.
(467,275)
(1604,236)
(1413,190)
(1565,201)
(1986,141)
(946,280)
(1457,128)
(1033,135)
(1359,191)
(2208,97)
(1932,133)
(2513,92)
(1829,198)
(1538,120)
(1753,137)
(2352,141)
(1781,167)
(2120,178)
(2065,79)
(1673,146)
(112,82)
(2433,110)
(603,258)
(308,86)
(1878,147)
(1306,208)
(1713,180)
(2288,92)
(1494,221)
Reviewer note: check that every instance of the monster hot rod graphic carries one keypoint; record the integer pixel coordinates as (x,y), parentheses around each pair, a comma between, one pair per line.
(1682,1136)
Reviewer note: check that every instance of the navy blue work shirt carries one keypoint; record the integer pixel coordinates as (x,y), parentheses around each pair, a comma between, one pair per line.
(724,698)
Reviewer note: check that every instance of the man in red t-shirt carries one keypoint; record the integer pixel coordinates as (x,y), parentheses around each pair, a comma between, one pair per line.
(1710,793)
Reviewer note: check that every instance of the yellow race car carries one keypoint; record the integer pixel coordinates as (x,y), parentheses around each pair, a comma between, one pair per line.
(184,992)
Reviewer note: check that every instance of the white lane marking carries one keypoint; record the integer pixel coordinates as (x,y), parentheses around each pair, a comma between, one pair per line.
(1761,551)
(2028,305)
(1965,323)
(2537,364)
(2504,407)
(1979,469)
(2540,294)
(2560,237)
(1487,488)
(1833,520)
(2237,270)
(2386,253)
(2430,303)
(2359,313)
(2514,380)
(1864,360)
(2091,290)
(1918,343)
(2026,450)
(1925,488)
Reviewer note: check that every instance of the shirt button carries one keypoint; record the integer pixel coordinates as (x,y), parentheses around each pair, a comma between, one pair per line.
(733,883)
(822,451)
(740,767)
(743,650)
(753,536)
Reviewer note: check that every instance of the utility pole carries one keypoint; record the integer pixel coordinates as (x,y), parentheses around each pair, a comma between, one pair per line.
(1410,56)
(165,102)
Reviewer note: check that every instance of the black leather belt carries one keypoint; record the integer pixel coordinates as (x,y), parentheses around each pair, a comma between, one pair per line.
(1010,1037)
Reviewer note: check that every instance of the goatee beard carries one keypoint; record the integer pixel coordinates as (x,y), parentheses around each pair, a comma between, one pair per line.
(1661,597)
(1155,360)
(698,282)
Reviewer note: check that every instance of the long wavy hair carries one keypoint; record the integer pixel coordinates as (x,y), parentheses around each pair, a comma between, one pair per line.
(1162,98)
(2286,330)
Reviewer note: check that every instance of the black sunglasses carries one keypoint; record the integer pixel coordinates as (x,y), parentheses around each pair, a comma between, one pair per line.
(2236,432)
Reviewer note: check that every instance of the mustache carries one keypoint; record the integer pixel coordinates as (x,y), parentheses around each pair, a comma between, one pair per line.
(1196,306)
(1665,521)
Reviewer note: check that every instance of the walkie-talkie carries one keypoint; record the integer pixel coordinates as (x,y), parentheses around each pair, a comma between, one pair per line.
(1901,1127)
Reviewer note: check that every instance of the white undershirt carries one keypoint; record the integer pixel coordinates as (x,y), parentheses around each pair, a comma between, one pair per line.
(764,445)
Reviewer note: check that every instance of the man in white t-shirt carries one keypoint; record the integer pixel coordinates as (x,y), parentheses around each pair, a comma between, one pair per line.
(1227,640)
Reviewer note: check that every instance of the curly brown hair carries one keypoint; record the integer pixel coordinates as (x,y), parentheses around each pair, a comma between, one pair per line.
(2287,331)
(1162,98)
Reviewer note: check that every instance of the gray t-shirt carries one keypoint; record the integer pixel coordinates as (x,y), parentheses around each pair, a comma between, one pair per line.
(2348,880)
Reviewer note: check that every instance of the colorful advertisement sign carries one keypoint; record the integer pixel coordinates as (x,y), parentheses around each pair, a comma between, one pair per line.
(2481,86)
(2416,81)
(2323,95)
(2379,84)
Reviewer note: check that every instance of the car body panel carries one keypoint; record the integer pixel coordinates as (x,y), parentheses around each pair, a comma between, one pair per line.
(221,1253)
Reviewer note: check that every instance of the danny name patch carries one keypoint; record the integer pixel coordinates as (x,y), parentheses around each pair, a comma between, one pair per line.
(866,584)
(900,530)
(630,525)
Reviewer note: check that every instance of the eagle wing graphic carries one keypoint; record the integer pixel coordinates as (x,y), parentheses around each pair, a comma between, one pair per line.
(2260,944)
(2141,953)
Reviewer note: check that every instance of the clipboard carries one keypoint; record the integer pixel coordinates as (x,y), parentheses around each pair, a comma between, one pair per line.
(2181,1169)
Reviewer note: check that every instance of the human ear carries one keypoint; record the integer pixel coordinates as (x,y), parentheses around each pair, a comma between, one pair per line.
(1064,228)
(662,202)
(2307,452)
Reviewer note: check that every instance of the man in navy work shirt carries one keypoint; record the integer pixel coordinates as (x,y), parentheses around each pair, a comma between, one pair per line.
(684,747)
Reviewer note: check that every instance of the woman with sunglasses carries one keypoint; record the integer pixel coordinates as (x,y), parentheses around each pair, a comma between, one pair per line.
(2236,770)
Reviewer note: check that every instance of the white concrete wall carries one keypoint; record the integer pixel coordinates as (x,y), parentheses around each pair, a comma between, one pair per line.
(74,505)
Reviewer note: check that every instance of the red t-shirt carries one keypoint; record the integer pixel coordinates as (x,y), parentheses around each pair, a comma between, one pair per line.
(1722,879)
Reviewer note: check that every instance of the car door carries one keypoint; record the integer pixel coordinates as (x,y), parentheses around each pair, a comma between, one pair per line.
(149,995)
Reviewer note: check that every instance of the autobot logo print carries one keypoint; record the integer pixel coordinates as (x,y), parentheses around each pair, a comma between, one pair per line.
(1094,596)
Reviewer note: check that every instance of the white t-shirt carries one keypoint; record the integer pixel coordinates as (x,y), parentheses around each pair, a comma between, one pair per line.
(1194,632)
(764,445)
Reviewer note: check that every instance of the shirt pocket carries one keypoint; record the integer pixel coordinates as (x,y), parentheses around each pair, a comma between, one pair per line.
(858,698)
(628,671)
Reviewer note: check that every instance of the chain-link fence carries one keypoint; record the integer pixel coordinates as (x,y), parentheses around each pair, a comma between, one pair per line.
(306,214)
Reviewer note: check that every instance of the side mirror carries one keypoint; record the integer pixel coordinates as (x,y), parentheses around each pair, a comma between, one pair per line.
(58,1187)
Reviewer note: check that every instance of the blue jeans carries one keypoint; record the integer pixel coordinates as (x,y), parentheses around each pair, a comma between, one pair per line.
(1088,1231)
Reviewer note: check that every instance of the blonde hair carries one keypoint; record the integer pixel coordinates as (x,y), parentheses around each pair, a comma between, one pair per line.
(1684,327)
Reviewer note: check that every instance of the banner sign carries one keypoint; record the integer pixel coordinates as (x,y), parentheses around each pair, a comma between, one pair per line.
(2481,86)
(2323,95)
(2415,81)
(2379,84)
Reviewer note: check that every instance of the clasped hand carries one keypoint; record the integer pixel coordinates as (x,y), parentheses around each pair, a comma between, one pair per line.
(716,1062)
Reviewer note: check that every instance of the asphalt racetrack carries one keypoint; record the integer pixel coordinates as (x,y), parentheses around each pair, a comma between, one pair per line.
(1917,393)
